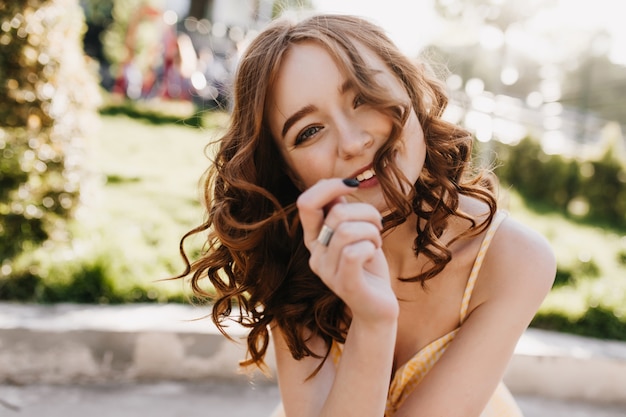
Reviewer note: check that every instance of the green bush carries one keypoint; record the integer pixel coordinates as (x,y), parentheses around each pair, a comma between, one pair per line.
(580,270)
(87,280)
(597,321)
(605,190)
(48,100)
(588,189)
(564,276)
(151,113)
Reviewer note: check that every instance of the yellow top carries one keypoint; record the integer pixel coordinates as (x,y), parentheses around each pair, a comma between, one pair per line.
(409,375)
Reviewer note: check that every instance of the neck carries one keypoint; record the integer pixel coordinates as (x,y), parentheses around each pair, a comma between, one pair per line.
(398,248)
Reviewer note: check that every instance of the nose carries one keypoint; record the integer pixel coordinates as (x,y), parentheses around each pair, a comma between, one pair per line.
(353,140)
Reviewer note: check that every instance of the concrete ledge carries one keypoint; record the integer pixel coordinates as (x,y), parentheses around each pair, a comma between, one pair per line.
(566,366)
(67,343)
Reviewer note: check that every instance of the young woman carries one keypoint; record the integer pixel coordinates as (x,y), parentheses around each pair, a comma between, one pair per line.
(346,221)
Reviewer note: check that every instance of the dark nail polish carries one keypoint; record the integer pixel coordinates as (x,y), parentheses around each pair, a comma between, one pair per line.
(351,182)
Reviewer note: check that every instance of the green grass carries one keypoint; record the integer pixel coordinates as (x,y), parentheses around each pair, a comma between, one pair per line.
(144,196)
(151,195)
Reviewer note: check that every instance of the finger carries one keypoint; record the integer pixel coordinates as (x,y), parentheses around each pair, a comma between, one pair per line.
(343,212)
(338,269)
(316,201)
(351,232)
(324,262)
(354,256)
(346,212)
(349,273)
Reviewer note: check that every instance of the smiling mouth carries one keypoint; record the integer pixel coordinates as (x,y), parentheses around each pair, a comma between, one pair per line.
(366,175)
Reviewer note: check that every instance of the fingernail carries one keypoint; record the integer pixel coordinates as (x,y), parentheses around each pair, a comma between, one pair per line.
(351,182)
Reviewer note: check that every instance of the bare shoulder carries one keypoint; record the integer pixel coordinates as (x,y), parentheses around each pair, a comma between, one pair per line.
(519,245)
(519,261)
(297,369)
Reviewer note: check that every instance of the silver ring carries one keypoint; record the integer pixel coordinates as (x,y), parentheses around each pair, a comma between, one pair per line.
(325,234)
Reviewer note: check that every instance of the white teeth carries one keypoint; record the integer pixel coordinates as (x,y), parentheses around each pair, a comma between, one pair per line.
(365,175)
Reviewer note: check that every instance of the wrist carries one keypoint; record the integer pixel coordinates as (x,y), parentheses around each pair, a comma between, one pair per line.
(381,324)
(383,315)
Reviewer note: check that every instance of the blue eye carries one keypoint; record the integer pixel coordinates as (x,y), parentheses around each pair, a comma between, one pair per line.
(307,133)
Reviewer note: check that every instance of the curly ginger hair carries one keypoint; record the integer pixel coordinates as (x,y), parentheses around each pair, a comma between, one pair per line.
(255,258)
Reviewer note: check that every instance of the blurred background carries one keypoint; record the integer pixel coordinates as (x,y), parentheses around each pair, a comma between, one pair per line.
(106,108)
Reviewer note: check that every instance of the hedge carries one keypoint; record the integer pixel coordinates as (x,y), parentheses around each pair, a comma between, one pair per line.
(588,188)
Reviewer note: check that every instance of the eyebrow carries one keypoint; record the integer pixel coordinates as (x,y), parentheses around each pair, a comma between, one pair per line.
(297,116)
(345,87)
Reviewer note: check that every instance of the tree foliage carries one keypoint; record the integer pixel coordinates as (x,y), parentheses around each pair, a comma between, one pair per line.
(48,100)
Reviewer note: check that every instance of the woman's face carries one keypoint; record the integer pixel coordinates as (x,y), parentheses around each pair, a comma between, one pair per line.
(324,130)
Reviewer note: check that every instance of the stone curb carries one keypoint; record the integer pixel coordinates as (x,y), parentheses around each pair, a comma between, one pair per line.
(67,344)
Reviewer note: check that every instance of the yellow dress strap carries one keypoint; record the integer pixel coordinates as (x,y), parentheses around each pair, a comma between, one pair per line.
(336,350)
(471,281)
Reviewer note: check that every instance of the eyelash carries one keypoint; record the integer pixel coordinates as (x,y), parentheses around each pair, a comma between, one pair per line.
(312,130)
(306,134)
(358,100)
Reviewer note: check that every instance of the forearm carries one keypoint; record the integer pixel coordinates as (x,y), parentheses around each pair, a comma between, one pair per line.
(362,381)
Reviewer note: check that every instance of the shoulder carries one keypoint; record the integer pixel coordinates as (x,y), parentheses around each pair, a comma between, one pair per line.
(517,245)
(519,263)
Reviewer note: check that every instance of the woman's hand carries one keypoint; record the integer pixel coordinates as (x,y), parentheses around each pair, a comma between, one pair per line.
(351,262)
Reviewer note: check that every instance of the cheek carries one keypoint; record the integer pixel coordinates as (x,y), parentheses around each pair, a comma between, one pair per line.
(413,152)
(375,123)
(309,167)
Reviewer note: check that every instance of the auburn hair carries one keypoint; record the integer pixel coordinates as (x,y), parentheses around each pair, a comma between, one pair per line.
(254,257)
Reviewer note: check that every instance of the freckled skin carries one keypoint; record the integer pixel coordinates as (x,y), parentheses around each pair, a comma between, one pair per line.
(344,138)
